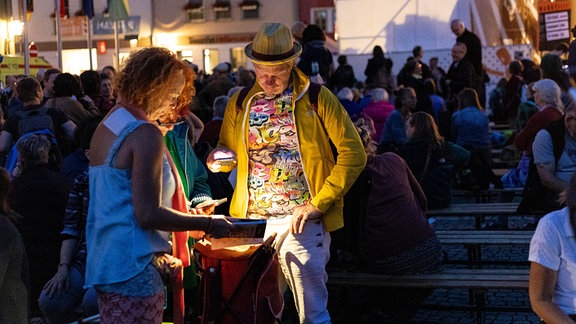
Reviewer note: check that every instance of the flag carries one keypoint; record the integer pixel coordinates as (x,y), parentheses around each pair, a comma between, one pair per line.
(118,9)
(63,8)
(88,7)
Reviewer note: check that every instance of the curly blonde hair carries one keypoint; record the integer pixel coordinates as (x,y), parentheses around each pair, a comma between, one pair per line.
(148,75)
(364,128)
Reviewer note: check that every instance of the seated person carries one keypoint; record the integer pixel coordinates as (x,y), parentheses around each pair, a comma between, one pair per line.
(471,130)
(432,159)
(470,126)
(39,194)
(378,109)
(394,132)
(14,298)
(555,162)
(64,298)
(397,238)
(352,106)
(552,286)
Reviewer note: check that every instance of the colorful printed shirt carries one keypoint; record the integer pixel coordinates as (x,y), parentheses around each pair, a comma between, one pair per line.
(276,181)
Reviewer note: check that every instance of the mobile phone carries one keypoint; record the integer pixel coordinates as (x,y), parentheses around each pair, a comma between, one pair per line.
(211,202)
(225,161)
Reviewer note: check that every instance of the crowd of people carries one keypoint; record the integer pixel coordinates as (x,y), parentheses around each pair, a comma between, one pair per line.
(104,169)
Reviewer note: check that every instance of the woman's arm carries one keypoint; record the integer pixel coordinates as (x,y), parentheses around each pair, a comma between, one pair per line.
(541,291)
(146,165)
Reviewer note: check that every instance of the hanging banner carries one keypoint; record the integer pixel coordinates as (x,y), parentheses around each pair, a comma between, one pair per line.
(105,26)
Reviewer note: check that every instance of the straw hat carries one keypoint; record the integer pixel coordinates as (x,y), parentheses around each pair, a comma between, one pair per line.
(273,44)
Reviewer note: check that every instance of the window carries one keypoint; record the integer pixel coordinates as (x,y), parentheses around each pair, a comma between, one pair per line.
(195,10)
(324,17)
(238,57)
(250,9)
(222,10)
(211,59)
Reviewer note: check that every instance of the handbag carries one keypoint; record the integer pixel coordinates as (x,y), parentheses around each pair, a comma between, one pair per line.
(239,285)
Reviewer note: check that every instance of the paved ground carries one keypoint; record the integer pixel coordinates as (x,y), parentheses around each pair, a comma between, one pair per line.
(366,306)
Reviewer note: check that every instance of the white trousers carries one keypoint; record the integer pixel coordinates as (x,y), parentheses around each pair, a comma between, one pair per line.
(303,258)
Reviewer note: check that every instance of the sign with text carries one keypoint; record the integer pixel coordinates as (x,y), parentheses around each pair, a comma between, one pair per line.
(557,25)
(554,23)
(73,26)
(105,26)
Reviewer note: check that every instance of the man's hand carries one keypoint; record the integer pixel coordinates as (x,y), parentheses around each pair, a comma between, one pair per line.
(219,157)
(60,281)
(302,214)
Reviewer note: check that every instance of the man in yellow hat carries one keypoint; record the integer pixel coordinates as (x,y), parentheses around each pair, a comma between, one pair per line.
(279,140)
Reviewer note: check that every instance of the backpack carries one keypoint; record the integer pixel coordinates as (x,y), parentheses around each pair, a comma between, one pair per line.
(238,286)
(477,175)
(33,120)
(535,196)
(436,180)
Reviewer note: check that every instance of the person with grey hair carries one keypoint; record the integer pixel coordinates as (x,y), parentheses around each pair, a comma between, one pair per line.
(472,42)
(555,173)
(211,132)
(550,108)
(378,109)
(39,193)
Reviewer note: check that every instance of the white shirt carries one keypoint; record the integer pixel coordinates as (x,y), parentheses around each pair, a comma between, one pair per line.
(554,246)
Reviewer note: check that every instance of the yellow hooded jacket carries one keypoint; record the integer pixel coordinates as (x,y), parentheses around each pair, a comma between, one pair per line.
(328,181)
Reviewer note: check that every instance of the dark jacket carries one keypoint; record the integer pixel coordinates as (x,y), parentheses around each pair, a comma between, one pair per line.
(436,177)
(460,75)
(473,49)
(314,51)
(40,194)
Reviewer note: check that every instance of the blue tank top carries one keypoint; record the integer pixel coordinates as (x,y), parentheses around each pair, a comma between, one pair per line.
(117,248)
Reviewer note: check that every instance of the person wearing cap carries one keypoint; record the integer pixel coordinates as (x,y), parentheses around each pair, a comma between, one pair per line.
(552,288)
(286,171)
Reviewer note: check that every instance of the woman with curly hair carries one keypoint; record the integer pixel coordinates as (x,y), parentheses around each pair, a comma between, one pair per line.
(132,187)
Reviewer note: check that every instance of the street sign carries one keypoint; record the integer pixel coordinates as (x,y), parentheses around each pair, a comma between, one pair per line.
(33,50)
